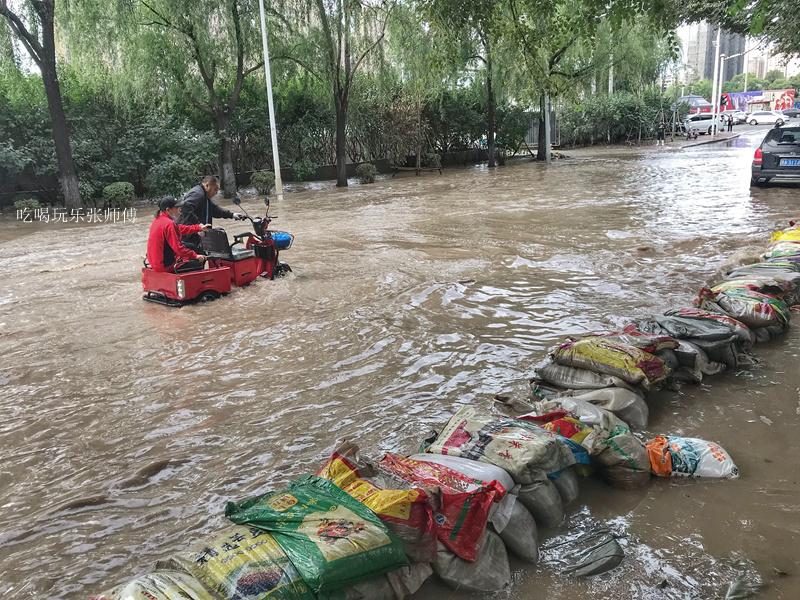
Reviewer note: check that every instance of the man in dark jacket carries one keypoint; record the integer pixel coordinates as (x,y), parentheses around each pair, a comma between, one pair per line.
(197,208)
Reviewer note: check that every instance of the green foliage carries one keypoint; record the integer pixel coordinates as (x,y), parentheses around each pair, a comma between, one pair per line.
(119,194)
(303,169)
(366,172)
(26,204)
(263,181)
(614,118)
(513,123)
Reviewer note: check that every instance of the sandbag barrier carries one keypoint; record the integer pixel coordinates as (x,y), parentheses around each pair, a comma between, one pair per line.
(487,483)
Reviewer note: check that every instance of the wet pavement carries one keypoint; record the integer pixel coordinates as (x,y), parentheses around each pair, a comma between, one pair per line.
(126,425)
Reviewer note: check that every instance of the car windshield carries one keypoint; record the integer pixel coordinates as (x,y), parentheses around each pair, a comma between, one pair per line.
(784,136)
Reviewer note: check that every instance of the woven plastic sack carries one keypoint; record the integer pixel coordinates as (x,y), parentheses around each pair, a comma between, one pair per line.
(407,512)
(489,573)
(674,456)
(751,308)
(567,485)
(464,503)
(631,336)
(572,378)
(160,585)
(490,475)
(395,585)
(786,235)
(682,328)
(625,462)
(784,251)
(739,329)
(543,501)
(522,449)
(626,405)
(332,540)
(601,355)
(521,536)
(241,563)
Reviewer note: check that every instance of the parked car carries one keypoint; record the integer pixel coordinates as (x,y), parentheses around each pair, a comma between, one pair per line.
(701,123)
(778,157)
(792,113)
(766,117)
(739,117)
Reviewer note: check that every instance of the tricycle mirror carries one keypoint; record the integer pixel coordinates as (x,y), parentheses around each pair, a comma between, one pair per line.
(237,201)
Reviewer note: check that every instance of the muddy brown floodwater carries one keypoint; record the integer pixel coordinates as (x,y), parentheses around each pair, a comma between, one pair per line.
(126,425)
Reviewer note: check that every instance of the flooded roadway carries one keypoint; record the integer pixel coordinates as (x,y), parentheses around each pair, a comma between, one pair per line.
(126,426)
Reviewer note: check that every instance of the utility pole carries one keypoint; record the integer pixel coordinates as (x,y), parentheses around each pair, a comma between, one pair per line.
(272,128)
(611,74)
(714,90)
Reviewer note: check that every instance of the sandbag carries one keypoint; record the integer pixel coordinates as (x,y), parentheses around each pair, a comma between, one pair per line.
(569,429)
(752,308)
(625,462)
(407,512)
(567,485)
(522,449)
(786,235)
(465,503)
(490,475)
(572,378)
(490,573)
(783,251)
(603,423)
(240,563)
(590,553)
(394,585)
(674,456)
(692,355)
(601,355)
(521,536)
(543,501)
(682,328)
(725,352)
(628,406)
(762,335)
(632,336)
(332,539)
(160,585)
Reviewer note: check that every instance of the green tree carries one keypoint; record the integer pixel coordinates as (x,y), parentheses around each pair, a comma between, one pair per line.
(337,38)
(36,33)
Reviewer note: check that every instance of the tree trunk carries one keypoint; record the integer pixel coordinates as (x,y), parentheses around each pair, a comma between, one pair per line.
(490,108)
(67,175)
(228,175)
(543,139)
(341,140)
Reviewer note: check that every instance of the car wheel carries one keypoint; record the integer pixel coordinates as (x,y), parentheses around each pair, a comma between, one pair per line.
(753,122)
(754,182)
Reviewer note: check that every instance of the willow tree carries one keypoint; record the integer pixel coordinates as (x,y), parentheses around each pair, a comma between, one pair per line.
(34,27)
(552,35)
(478,25)
(335,41)
(199,52)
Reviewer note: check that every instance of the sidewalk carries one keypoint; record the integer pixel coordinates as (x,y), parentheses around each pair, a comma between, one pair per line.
(705,139)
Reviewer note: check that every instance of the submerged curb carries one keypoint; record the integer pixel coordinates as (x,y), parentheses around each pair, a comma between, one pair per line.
(711,141)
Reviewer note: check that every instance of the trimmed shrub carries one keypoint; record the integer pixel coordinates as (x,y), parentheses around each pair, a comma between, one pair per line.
(304,169)
(366,172)
(27,204)
(119,194)
(263,181)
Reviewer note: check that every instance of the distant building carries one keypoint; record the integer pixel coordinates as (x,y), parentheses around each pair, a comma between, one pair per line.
(699,50)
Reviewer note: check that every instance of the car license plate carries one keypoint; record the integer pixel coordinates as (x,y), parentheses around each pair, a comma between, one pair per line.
(790,162)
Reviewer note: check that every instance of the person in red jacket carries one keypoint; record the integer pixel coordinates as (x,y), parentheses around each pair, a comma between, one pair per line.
(165,252)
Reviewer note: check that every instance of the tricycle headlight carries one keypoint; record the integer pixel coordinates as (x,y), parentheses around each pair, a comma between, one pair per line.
(181,289)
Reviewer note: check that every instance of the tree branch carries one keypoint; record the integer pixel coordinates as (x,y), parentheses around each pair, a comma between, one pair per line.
(326,28)
(370,48)
(30,41)
(300,63)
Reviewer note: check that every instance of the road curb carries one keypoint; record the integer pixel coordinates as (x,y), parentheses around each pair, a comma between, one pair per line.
(711,141)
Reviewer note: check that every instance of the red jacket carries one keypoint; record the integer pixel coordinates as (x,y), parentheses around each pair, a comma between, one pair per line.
(164,246)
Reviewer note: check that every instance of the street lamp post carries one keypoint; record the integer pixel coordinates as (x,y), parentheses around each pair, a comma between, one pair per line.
(714,90)
(272,128)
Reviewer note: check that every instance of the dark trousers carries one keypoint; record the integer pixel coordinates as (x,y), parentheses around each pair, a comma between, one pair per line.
(189,265)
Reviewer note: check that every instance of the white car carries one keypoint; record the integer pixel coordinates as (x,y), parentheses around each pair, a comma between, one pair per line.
(701,123)
(766,117)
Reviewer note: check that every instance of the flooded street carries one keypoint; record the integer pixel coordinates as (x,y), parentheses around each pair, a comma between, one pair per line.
(126,425)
